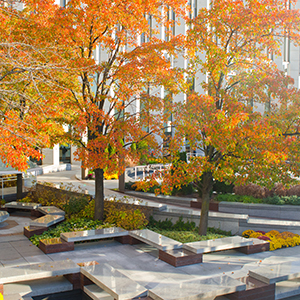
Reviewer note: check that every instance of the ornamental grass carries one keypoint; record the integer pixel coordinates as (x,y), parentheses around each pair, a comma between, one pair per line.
(276,239)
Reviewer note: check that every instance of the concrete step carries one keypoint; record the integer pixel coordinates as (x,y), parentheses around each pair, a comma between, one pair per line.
(37,287)
(287,288)
(96,293)
(114,282)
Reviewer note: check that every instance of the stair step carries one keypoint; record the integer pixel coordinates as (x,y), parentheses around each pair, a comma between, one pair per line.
(38,287)
(287,288)
(96,293)
(114,282)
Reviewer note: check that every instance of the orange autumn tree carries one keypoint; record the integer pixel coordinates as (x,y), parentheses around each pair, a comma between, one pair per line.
(115,51)
(29,98)
(229,46)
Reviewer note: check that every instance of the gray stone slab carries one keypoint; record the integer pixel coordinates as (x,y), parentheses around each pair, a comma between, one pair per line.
(86,235)
(217,244)
(17,297)
(196,289)
(47,220)
(288,288)
(37,271)
(3,216)
(22,205)
(96,293)
(38,287)
(276,273)
(50,210)
(114,282)
(141,202)
(155,239)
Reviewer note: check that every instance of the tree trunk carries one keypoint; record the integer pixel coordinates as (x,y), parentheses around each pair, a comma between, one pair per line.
(207,186)
(122,183)
(99,195)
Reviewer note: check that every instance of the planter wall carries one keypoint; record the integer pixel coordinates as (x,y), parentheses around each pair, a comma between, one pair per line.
(55,247)
(213,206)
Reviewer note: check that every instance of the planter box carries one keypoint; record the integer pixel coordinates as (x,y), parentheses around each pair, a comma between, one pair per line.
(55,245)
(30,231)
(181,257)
(213,206)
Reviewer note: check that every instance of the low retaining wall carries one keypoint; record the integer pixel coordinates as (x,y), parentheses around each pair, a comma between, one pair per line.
(284,212)
(147,211)
(228,222)
(236,223)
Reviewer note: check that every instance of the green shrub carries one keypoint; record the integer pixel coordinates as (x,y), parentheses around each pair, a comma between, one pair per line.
(124,216)
(167,224)
(222,187)
(75,205)
(238,198)
(275,200)
(184,190)
(184,232)
(129,186)
(288,200)
(73,224)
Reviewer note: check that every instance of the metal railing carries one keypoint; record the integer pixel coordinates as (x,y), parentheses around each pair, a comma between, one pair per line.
(148,169)
(28,181)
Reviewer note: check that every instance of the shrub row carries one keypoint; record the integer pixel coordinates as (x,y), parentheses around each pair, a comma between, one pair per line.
(276,239)
(257,191)
(276,200)
(116,212)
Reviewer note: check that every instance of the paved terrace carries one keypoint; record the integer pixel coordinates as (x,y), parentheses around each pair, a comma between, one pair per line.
(139,263)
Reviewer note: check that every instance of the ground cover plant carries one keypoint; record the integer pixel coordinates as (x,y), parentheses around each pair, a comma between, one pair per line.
(184,232)
(276,239)
(74,224)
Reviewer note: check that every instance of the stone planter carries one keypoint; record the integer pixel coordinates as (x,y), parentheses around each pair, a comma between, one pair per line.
(30,231)
(55,245)
(213,206)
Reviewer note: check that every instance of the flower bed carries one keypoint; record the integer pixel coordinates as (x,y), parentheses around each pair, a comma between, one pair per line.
(276,239)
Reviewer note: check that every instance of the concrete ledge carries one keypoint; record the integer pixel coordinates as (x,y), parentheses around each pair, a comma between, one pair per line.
(285,212)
